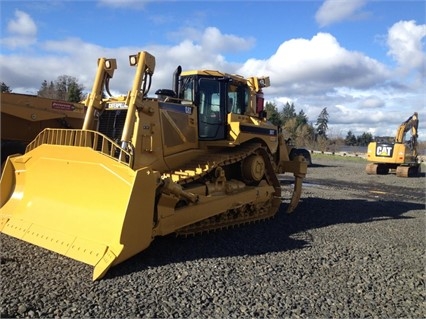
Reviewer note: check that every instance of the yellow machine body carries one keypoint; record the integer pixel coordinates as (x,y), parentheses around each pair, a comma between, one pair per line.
(194,159)
(79,218)
(395,154)
(24,116)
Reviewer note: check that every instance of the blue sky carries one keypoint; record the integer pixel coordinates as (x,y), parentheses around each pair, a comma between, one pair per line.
(364,60)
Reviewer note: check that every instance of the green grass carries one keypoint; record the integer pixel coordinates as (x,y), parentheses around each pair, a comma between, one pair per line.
(356,159)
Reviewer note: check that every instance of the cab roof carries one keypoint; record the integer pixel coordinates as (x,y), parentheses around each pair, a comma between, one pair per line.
(214,73)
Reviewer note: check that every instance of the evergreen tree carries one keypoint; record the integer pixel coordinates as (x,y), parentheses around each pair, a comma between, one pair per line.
(322,123)
(350,139)
(74,93)
(5,88)
(364,139)
(288,112)
(301,118)
(272,114)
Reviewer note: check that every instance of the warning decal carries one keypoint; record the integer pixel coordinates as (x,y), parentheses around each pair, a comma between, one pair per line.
(63,106)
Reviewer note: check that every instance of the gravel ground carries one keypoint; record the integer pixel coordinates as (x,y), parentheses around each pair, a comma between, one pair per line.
(354,248)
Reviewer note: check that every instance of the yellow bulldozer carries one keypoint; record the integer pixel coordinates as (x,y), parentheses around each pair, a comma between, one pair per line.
(24,116)
(396,154)
(198,157)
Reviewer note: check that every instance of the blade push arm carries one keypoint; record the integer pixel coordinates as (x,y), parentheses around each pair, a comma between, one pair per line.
(105,72)
(145,64)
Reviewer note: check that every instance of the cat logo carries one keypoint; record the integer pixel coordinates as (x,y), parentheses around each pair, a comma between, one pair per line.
(383,150)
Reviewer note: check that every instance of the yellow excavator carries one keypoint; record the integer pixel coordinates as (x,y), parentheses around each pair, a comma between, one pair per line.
(198,157)
(396,155)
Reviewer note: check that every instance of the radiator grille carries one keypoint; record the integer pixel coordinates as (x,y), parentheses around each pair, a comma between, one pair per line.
(111,124)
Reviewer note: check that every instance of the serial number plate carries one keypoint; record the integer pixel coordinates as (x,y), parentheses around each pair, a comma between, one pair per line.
(116,105)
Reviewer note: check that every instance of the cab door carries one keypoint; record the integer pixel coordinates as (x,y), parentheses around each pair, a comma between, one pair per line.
(211,109)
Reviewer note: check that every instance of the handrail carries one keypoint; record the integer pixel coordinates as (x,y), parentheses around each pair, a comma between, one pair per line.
(82,138)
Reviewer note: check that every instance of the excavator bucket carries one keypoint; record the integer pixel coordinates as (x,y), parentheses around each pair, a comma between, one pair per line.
(79,203)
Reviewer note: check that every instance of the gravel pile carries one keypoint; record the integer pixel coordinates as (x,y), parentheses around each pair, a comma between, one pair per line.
(354,247)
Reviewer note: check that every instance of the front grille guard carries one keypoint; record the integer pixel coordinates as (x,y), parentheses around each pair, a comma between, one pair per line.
(83,138)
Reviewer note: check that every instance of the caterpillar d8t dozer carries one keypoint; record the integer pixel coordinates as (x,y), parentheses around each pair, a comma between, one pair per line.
(198,157)
(396,154)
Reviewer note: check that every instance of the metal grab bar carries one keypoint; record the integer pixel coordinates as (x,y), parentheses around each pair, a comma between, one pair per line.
(82,138)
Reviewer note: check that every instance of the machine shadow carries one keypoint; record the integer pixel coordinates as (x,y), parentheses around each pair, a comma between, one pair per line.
(282,233)
(313,165)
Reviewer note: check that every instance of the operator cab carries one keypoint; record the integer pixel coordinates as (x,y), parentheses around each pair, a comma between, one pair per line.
(215,95)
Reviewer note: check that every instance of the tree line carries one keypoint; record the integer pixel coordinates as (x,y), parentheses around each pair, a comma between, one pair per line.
(65,88)
(296,126)
(303,133)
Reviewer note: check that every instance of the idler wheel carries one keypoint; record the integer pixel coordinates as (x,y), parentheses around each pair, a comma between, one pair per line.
(253,169)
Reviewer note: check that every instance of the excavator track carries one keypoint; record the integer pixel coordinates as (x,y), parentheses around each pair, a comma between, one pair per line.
(407,171)
(376,169)
(194,172)
(400,171)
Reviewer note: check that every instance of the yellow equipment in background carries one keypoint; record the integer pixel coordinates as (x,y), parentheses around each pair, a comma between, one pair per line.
(398,154)
(200,156)
(23,116)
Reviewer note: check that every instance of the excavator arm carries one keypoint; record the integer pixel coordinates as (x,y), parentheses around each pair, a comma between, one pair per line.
(411,123)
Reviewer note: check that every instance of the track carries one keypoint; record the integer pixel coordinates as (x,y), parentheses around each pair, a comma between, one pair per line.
(204,170)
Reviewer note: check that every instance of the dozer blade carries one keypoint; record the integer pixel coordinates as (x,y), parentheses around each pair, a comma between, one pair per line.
(79,203)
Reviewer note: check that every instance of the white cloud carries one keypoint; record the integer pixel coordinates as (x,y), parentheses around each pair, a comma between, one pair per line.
(22,31)
(22,25)
(303,66)
(62,58)
(379,122)
(211,39)
(371,102)
(215,41)
(405,44)
(332,11)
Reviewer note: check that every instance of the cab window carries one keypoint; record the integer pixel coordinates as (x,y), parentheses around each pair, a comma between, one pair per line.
(238,97)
